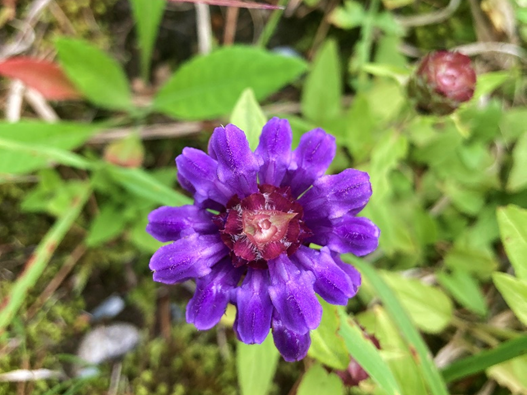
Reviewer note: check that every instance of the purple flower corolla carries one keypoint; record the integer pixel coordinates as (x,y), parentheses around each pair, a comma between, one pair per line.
(246,238)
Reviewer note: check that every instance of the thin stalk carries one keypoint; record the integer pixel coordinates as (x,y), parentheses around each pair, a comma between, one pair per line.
(271,24)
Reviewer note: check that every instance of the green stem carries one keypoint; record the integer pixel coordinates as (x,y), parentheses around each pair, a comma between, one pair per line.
(40,258)
(270,27)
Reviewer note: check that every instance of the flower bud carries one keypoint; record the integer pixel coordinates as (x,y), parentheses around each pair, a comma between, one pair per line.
(442,81)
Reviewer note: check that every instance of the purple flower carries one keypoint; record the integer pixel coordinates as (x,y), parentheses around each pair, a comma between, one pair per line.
(246,238)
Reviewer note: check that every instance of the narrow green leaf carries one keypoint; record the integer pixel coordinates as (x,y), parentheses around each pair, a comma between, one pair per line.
(424,360)
(256,366)
(49,154)
(317,381)
(141,183)
(512,221)
(106,225)
(514,291)
(62,135)
(485,359)
(518,176)
(209,86)
(367,355)
(322,93)
(147,15)
(40,258)
(249,117)
(326,346)
(99,77)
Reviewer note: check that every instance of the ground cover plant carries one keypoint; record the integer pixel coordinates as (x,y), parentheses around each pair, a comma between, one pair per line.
(227,197)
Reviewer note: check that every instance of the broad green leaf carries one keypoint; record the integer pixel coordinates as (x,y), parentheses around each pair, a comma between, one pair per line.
(486,359)
(256,366)
(209,86)
(360,127)
(147,15)
(349,16)
(465,289)
(106,225)
(94,73)
(63,136)
(430,308)
(249,117)
(511,374)
(477,261)
(141,183)
(512,221)
(514,291)
(322,93)
(488,82)
(326,346)
(367,355)
(465,200)
(513,123)
(51,198)
(386,97)
(317,381)
(140,238)
(518,176)
(400,317)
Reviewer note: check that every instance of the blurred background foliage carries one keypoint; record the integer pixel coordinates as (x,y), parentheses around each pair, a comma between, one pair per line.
(445,294)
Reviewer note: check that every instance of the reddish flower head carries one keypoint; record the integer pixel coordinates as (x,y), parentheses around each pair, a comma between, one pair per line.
(443,80)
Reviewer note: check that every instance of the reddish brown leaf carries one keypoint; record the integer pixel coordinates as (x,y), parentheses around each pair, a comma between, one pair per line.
(233,3)
(43,76)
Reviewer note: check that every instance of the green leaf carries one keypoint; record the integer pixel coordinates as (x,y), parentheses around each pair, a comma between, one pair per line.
(424,361)
(478,262)
(488,82)
(209,86)
(106,225)
(465,289)
(430,308)
(322,93)
(512,221)
(465,200)
(367,355)
(485,359)
(514,291)
(511,374)
(256,366)
(249,117)
(141,183)
(317,381)
(50,137)
(360,127)
(47,154)
(348,17)
(99,77)
(147,15)
(326,346)
(518,176)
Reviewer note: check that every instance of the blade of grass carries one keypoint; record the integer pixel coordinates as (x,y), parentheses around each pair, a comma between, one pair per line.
(39,259)
(367,355)
(485,359)
(423,358)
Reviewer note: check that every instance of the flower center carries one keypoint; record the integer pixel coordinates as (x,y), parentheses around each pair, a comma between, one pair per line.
(262,226)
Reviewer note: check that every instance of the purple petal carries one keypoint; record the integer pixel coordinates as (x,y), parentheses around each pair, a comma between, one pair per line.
(274,151)
(237,165)
(197,174)
(210,300)
(335,195)
(332,283)
(348,234)
(310,160)
(190,257)
(168,223)
(254,307)
(293,346)
(292,295)
(350,270)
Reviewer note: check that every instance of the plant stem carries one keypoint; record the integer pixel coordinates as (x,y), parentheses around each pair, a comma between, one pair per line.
(270,27)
